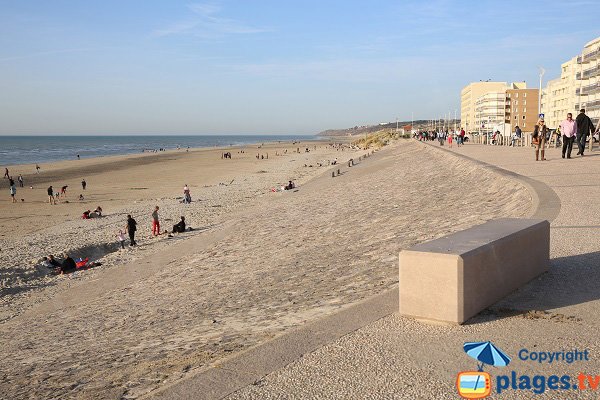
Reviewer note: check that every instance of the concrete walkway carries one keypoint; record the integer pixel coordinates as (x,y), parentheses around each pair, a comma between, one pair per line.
(395,357)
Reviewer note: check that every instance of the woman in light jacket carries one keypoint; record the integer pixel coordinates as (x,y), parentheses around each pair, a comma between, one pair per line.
(540,132)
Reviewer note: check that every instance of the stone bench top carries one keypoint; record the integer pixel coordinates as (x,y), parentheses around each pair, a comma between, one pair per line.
(463,242)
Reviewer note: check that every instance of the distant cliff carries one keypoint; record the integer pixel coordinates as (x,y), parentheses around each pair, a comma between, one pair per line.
(361,130)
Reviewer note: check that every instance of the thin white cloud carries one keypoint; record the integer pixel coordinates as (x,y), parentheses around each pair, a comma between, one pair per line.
(205,21)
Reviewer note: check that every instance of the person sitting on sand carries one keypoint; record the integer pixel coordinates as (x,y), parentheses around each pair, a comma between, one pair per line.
(180,226)
(187,197)
(68,265)
(290,186)
(98,211)
(81,197)
(51,263)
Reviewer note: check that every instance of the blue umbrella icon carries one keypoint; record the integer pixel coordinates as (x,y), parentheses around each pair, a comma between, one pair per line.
(486,353)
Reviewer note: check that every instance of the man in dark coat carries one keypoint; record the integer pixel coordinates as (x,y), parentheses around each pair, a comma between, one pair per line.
(131,228)
(584,128)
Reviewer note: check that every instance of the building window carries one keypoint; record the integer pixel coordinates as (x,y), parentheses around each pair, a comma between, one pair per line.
(516,102)
(524,110)
(523,117)
(517,94)
(524,94)
(524,124)
(515,117)
(524,102)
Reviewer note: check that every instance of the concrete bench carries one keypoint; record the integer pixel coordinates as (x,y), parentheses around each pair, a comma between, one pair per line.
(455,277)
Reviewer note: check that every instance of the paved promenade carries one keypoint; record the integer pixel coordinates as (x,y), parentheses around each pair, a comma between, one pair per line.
(393,357)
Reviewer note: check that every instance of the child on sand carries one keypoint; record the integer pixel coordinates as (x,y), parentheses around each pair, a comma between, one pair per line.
(121,237)
(155,222)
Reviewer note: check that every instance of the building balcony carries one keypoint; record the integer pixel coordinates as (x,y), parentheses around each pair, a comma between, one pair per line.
(589,89)
(592,55)
(588,73)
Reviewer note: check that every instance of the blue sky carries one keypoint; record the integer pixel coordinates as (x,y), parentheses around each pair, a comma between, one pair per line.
(266,67)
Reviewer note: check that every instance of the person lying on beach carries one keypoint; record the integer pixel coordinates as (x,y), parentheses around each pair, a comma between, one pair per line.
(68,265)
(97,213)
(180,226)
(86,214)
(51,263)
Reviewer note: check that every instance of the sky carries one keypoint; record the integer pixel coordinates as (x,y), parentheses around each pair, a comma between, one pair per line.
(267,66)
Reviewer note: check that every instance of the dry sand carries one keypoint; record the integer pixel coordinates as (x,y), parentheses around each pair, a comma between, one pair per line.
(261,263)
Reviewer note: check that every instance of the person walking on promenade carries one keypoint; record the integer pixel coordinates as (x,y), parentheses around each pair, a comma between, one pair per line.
(516,136)
(450,141)
(130,228)
(51,195)
(584,128)
(155,222)
(13,191)
(539,139)
(20,179)
(83,184)
(568,128)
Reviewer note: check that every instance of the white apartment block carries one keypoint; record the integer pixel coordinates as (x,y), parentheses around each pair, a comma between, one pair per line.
(468,99)
(559,96)
(578,87)
(489,111)
(588,78)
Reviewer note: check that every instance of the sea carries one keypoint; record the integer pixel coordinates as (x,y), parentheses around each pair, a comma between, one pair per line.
(42,149)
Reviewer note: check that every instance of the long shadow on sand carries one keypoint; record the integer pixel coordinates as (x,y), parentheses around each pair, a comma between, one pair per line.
(570,281)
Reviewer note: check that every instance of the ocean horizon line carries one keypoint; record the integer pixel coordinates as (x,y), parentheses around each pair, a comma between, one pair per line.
(150,134)
(28,149)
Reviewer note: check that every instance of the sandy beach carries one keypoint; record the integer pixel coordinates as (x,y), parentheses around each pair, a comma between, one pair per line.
(258,263)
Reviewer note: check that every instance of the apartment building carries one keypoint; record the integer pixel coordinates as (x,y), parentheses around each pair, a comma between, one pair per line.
(588,79)
(489,111)
(521,108)
(578,87)
(468,102)
(560,96)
